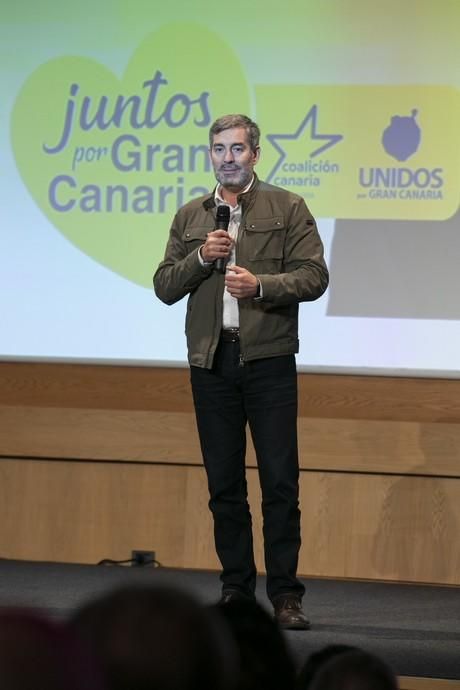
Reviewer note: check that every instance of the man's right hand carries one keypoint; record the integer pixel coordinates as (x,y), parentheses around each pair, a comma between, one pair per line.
(218,245)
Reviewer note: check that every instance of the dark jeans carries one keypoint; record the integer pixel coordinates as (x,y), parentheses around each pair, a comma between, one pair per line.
(262,393)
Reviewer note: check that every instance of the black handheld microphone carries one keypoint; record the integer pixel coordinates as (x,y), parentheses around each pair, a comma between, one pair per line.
(222,221)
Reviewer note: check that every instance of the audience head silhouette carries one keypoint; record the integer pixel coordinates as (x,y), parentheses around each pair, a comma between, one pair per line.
(354,670)
(37,653)
(158,638)
(317,660)
(162,638)
(265,662)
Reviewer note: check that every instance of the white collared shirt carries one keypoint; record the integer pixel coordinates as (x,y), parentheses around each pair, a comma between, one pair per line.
(231,316)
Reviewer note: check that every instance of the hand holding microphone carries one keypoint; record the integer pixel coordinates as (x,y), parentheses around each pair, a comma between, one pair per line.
(218,245)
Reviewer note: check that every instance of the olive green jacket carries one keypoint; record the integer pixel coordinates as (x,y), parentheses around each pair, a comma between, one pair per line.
(277,241)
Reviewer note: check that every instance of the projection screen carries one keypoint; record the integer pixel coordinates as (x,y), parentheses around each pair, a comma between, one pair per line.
(104,115)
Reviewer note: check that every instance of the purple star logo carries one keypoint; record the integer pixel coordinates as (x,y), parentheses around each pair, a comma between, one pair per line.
(307,127)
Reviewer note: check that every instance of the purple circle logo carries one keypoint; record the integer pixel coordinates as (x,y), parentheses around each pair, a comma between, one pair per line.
(401,138)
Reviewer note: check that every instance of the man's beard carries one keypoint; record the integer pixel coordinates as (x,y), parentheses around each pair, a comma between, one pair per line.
(234,180)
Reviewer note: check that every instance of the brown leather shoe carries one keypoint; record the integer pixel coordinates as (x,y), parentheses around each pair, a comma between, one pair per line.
(289,613)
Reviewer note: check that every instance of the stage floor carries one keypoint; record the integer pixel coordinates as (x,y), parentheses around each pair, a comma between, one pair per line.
(415,628)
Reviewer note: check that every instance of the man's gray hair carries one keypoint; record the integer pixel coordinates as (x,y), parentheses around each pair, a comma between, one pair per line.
(233,121)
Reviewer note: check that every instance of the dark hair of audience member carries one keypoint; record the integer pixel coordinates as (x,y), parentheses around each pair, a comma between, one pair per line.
(158,638)
(355,670)
(316,660)
(37,653)
(265,662)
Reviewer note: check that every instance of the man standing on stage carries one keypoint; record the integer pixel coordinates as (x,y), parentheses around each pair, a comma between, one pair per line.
(242,336)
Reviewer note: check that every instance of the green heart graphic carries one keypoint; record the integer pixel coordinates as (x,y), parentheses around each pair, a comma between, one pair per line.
(110,160)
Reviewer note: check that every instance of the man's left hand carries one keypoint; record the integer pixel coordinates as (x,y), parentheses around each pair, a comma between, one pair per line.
(240,282)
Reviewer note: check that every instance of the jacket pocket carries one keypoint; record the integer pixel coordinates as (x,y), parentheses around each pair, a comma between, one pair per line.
(264,243)
(193,237)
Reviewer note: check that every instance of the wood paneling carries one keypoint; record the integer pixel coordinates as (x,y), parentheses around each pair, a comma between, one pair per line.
(159,436)
(353,525)
(133,435)
(167,389)
(85,512)
(98,460)
(414,683)
(380,527)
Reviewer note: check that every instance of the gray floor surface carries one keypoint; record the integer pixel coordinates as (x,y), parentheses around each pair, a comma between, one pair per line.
(415,628)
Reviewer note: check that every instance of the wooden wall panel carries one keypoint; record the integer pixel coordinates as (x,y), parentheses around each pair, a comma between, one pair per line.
(414,683)
(84,512)
(365,445)
(97,460)
(381,527)
(129,435)
(353,525)
(159,436)
(167,389)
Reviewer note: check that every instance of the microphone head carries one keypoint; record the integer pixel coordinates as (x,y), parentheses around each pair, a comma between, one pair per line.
(223,213)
